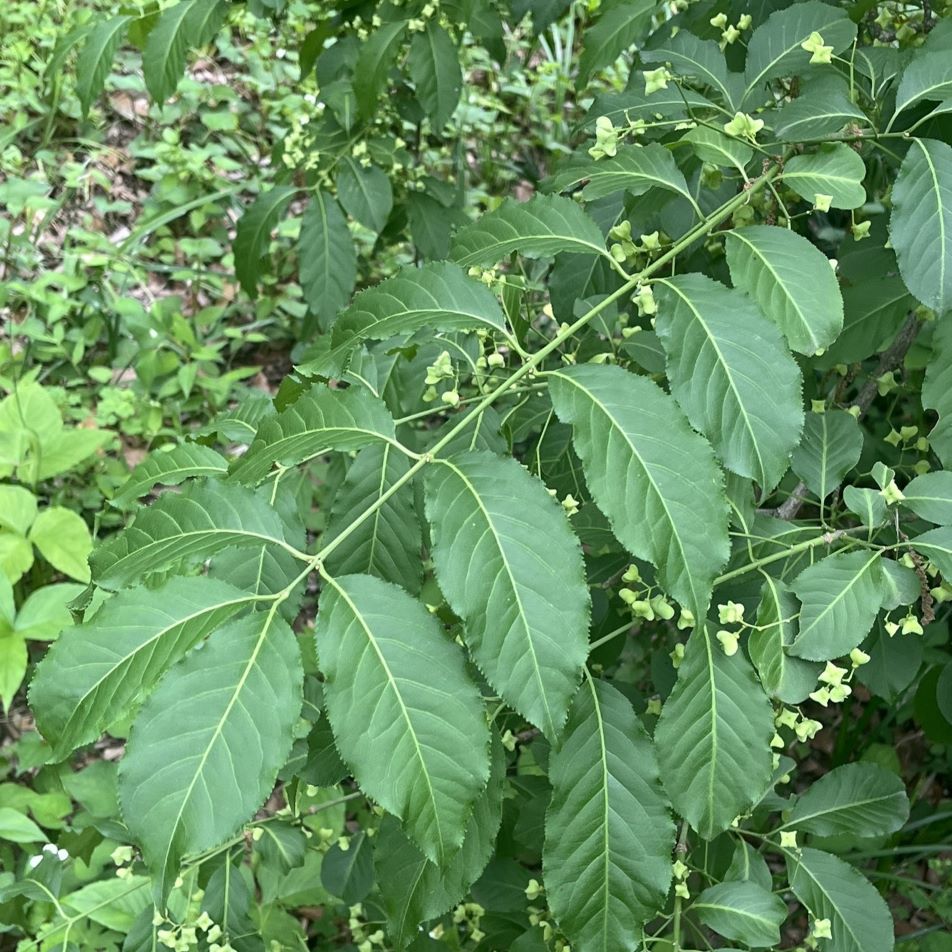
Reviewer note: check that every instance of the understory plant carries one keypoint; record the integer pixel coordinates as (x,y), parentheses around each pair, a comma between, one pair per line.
(520,615)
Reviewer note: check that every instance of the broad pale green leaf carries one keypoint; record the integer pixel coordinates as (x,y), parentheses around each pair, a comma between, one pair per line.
(511,568)
(438,297)
(17,827)
(711,145)
(822,109)
(928,77)
(187,25)
(415,890)
(169,468)
(920,225)
(791,280)
(829,888)
(831,446)
(868,504)
(18,509)
(744,911)
(653,477)
(63,539)
(365,193)
(114,903)
(937,392)
(388,544)
(774,49)
(328,258)
(855,800)
(435,71)
(936,546)
(320,420)
(92,676)
(394,681)
(542,227)
(186,527)
(632,105)
(787,678)
(207,745)
(373,64)
(834,170)
(617,29)
(732,374)
(747,865)
(713,736)
(690,57)
(840,598)
(635,169)
(253,234)
(608,832)
(95,59)
(929,496)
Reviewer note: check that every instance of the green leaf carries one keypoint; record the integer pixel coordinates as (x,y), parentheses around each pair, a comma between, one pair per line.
(438,297)
(349,874)
(45,613)
(868,504)
(377,55)
(821,110)
(732,374)
(787,678)
(840,598)
(186,527)
(743,911)
(188,24)
(387,545)
(365,193)
(774,49)
(927,77)
(834,170)
(608,832)
(632,105)
(253,234)
(713,736)
(617,30)
(831,889)
(791,280)
(169,468)
(64,450)
(936,546)
(542,227)
(415,890)
(207,745)
(690,57)
(435,71)
(13,663)
(634,169)
(95,59)
(17,509)
(16,827)
(320,420)
(94,674)
(511,568)
(853,800)
(937,392)
(393,677)
(328,258)
(929,496)
(711,145)
(831,446)
(653,477)
(920,225)
(112,903)
(63,540)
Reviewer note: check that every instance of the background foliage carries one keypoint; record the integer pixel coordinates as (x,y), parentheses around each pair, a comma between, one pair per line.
(474,475)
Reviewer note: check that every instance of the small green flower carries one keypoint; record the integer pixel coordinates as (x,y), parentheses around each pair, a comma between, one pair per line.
(606,139)
(814,44)
(822,929)
(822,203)
(729,642)
(656,79)
(731,613)
(859,657)
(788,839)
(911,626)
(860,230)
(832,674)
(744,126)
(892,493)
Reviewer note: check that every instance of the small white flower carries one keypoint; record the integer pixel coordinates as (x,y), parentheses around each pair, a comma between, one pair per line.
(35,861)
